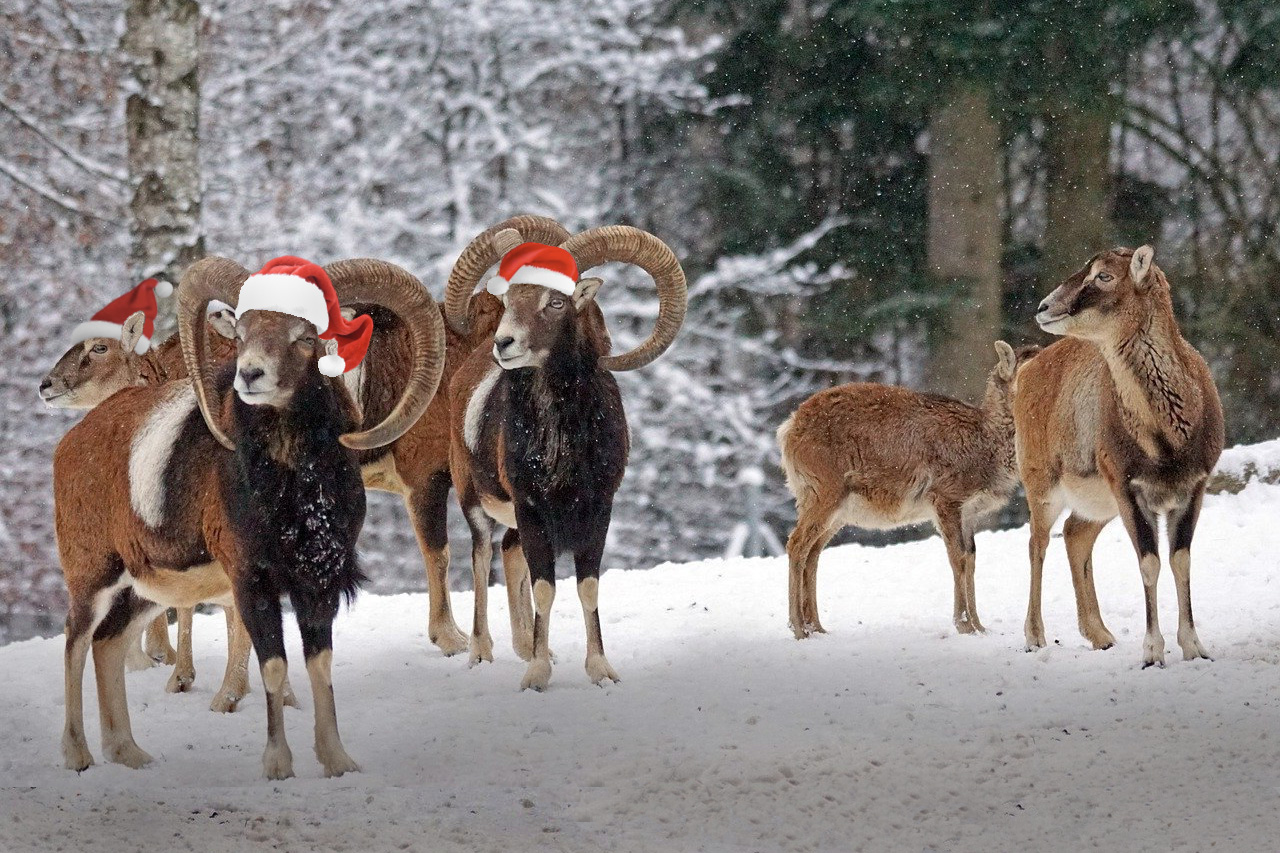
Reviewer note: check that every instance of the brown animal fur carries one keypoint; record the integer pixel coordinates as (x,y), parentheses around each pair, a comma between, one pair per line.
(882,457)
(90,372)
(1119,418)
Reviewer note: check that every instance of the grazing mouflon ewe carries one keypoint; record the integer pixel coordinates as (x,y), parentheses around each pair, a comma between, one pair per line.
(252,471)
(1121,417)
(539,438)
(879,456)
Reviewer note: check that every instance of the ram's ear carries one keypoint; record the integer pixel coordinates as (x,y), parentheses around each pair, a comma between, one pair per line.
(1008,361)
(132,333)
(224,322)
(1140,267)
(586,291)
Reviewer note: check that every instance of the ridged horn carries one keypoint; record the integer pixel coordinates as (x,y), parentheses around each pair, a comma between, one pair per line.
(633,246)
(205,280)
(364,280)
(485,251)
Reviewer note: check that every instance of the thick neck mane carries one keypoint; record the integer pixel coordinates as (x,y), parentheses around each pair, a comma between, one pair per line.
(1157,394)
(561,418)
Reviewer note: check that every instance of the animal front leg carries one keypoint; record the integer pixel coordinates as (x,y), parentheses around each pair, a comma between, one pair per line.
(317,646)
(947,520)
(1182,526)
(259,608)
(587,566)
(481,568)
(184,674)
(1043,514)
(542,568)
(1142,531)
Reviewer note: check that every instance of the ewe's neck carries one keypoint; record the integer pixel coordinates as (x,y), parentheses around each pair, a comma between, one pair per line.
(1156,395)
(997,410)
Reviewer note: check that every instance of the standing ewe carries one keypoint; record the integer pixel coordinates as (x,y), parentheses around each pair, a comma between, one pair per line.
(90,371)
(150,508)
(539,438)
(881,457)
(1119,418)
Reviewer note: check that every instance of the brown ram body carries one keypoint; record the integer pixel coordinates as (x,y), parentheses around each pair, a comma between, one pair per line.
(150,507)
(878,456)
(1119,418)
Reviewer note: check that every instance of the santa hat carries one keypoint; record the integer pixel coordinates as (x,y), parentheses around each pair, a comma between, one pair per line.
(536,263)
(293,286)
(109,322)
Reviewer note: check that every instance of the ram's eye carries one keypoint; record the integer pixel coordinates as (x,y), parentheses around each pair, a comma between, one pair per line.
(307,340)
(1104,276)
(99,349)
(556,302)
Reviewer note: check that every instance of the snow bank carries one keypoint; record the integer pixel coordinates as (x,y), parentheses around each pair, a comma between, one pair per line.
(1244,463)
(890,733)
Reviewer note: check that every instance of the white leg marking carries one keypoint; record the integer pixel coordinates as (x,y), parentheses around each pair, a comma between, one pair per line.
(538,675)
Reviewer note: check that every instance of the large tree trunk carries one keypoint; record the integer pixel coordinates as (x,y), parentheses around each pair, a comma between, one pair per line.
(1077,153)
(162,115)
(964,249)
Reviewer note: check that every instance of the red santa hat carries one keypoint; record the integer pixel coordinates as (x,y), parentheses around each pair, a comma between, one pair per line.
(293,286)
(109,322)
(536,263)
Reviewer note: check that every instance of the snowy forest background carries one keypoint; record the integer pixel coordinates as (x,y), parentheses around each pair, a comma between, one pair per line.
(859,189)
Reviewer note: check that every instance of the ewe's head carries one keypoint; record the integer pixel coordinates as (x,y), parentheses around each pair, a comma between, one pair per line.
(94,369)
(1113,287)
(275,354)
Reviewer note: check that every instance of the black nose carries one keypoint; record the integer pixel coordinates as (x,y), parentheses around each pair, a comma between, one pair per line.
(251,375)
(46,384)
(1044,306)
(503,342)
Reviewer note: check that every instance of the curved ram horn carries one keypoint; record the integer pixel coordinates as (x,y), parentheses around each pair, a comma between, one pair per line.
(633,246)
(204,281)
(364,280)
(485,251)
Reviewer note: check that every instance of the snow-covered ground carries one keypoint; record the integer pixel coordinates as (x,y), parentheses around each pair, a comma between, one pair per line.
(890,733)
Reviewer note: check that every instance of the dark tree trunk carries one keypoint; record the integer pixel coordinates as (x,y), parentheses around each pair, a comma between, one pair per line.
(162,45)
(1077,155)
(965,240)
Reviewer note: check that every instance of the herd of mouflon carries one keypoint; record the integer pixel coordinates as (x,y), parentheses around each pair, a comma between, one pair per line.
(228,465)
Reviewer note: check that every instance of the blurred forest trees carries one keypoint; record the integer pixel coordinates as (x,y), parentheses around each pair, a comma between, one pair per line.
(859,190)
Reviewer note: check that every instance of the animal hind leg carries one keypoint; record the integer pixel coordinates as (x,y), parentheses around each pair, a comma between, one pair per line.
(259,608)
(970,578)
(1182,527)
(184,674)
(157,646)
(1079,535)
(317,647)
(814,528)
(947,520)
(587,566)
(515,569)
(428,510)
(118,632)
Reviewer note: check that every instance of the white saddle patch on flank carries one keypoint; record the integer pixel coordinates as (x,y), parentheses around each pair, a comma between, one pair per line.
(151,449)
(475,408)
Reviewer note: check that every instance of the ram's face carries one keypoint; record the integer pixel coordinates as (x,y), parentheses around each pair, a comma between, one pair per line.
(534,318)
(88,373)
(275,354)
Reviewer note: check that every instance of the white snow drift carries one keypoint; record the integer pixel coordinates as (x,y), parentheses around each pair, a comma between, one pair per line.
(890,733)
